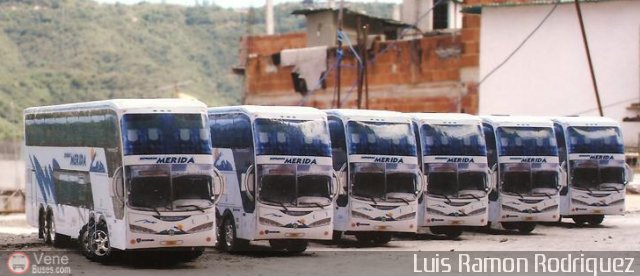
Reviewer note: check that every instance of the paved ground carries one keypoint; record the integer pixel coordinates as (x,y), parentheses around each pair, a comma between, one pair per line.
(618,233)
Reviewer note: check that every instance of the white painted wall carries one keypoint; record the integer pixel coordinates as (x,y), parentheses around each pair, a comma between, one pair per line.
(550,74)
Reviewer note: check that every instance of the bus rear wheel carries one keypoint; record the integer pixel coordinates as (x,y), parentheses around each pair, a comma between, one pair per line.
(579,220)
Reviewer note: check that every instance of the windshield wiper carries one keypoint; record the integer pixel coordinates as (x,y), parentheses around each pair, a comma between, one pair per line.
(609,188)
(191,205)
(471,195)
(402,199)
(279,203)
(545,194)
(446,197)
(314,203)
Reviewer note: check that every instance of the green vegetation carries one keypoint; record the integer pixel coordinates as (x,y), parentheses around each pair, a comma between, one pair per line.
(63,51)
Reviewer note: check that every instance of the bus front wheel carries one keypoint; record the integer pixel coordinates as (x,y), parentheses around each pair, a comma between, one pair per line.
(94,242)
(595,220)
(526,227)
(230,241)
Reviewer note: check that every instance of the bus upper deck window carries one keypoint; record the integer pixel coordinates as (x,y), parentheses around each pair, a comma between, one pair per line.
(355,138)
(132,135)
(204,135)
(184,134)
(429,141)
(154,134)
(371,138)
(444,140)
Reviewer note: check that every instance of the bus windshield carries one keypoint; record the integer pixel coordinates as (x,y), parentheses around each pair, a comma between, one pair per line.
(595,140)
(381,138)
(530,179)
(461,140)
(292,137)
(602,175)
(175,187)
(167,133)
(459,180)
(384,182)
(526,141)
(294,185)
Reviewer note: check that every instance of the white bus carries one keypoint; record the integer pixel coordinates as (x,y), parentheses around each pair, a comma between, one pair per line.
(375,156)
(122,175)
(523,155)
(453,155)
(277,163)
(592,153)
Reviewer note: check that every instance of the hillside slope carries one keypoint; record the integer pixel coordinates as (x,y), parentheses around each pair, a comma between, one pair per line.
(62,51)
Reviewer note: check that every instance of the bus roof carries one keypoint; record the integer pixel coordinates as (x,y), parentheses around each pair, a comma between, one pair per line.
(515,121)
(370,115)
(586,121)
(121,104)
(280,112)
(446,118)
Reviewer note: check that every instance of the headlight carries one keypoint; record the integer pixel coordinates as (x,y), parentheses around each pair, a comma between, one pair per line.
(511,209)
(359,215)
(407,216)
(140,229)
(265,221)
(436,212)
(477,212)
(201,228)
(321,222)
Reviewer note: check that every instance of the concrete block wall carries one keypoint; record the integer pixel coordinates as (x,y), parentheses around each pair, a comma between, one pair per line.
(412,76)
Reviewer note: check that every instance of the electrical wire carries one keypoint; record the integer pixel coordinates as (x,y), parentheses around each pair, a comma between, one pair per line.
(513,53)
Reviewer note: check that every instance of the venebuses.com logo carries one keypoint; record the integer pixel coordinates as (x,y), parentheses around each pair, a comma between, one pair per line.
(38,263)
(18,263)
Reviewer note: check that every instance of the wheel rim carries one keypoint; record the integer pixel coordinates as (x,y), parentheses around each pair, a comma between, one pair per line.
(52,231)
(100,246)
(228,234)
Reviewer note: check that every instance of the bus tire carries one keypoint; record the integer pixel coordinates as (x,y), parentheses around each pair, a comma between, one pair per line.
(526,227)
(297,246)
(336,236)
(382,238)
(230,241)
(579,220)
(192,255)
(50,228)
(453,233)
(595,220)
(95,245)
(41,218)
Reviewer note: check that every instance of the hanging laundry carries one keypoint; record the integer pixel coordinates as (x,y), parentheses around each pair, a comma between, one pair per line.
(309,64)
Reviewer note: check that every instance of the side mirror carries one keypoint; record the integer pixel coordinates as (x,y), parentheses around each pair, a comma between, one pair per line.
(335,185)
(249,182)
(419,183)
(493,179)
(219,185)
(562,177)
(489,182)
(628,174)
(342,180)
(117,187)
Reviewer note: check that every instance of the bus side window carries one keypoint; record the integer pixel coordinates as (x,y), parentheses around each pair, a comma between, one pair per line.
(338,144)
(490,137)
(562,145)
(416,131)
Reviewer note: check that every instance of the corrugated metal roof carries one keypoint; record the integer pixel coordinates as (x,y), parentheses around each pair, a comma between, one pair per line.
(349,11)
(477,8)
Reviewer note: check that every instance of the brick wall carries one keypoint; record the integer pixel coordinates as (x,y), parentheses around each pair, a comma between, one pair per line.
(411,76)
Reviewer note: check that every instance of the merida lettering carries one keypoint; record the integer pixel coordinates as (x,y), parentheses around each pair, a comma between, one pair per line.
(304,161)
(533,160)
(460,160)
(388,160)
(175,160)
(601,157)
